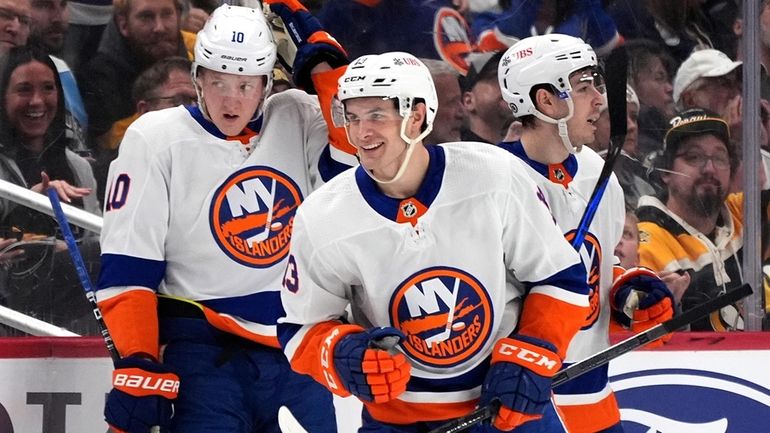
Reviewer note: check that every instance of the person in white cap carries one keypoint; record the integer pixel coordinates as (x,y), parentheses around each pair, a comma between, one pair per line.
(707,79)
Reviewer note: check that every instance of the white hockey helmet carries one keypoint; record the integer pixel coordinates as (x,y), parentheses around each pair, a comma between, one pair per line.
(395,75)
(545,59)
(236,40)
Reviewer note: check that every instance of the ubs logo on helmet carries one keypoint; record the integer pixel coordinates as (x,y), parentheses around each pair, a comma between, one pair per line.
(252,214)
(591,255)
(445,313)
(715,402)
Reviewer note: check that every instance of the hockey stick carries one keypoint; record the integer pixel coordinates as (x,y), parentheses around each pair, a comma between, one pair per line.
(616,66)
(610,353)
(85,279)
(80,267)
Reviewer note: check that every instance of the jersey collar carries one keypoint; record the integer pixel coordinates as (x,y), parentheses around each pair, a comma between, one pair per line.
(252,128)
(561,173)
(410,209)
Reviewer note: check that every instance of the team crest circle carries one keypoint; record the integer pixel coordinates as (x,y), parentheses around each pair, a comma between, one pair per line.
(445,313)
(252,214)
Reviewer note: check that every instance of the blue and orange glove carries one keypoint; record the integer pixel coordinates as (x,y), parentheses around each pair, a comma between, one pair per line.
(141,396)
(314,44)
(641,300)
(366,370)
(520,379)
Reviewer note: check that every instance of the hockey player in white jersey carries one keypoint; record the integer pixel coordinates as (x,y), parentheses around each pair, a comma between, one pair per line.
(423,243)
(553,86)
(198,219)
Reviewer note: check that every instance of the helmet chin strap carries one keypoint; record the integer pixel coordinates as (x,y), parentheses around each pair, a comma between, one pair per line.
(562,124)
(410,144)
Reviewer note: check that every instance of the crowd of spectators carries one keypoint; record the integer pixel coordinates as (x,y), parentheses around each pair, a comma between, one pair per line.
(75,74)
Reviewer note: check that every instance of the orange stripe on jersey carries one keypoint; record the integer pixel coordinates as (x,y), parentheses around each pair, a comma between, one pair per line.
(552,320)
(370,3)
(315,354)
(217,320)
(227,324)
(401,412)
(604,414)
(132,318)
(326,86)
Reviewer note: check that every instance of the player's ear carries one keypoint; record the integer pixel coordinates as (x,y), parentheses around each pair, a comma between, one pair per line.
(417,118)
(545,102)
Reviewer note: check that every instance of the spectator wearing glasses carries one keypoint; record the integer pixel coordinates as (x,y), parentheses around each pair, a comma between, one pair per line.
(165,84)
(693,225)
(14,23)
(711,80)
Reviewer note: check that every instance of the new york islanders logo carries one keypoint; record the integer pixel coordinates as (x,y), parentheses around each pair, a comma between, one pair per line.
(450,37)
(252,214)
(445,313)
(591,255)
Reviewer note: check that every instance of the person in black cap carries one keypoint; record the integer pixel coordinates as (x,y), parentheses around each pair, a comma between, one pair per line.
(693,225)
(488,116)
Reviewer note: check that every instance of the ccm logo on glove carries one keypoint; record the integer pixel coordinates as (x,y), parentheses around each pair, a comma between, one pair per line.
(529,356)
(325,363)
(140,383)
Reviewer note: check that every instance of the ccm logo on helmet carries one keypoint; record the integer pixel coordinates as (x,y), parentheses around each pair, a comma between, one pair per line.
(351,79)
(528,356)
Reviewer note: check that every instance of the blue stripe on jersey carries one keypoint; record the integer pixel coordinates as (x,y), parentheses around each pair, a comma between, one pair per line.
(212,129)
(120,270)
(516,148)
(587,383)
(573,279)
(329,167)
(388,206)
(463,382)
(264,307)
(287,331)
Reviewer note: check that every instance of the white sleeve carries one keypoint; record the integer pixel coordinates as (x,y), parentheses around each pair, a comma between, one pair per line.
(312,291)
(535,246)
(136,202)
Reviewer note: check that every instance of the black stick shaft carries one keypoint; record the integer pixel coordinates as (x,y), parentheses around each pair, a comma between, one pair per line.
(485,413)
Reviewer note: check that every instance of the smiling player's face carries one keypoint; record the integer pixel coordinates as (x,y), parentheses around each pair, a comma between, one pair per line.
(374,128)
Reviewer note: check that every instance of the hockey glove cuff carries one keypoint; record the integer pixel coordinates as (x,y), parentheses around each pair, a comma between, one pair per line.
(520,379)
(314,44)
(641,300)
(367,369)
(141,396)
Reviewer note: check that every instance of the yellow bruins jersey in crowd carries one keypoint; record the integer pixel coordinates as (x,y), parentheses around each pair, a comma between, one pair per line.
(668,243)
